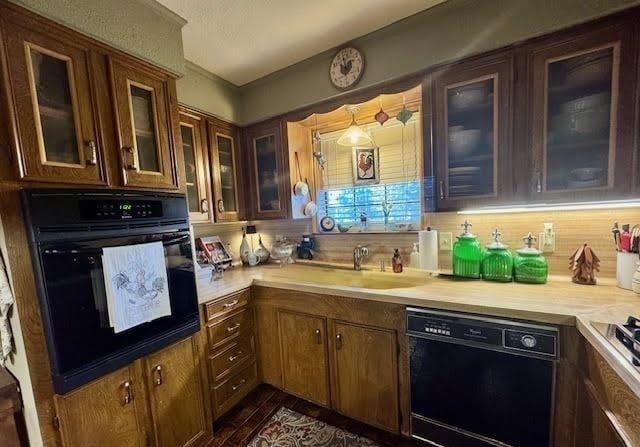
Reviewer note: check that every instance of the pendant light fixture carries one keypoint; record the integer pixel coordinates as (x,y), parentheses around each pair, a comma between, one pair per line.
(354,135)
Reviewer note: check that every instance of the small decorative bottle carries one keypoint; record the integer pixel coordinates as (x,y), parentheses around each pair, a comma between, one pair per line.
(529,265)
(414,259)
(245,251)
(467,254)
(396,261)
(497,261)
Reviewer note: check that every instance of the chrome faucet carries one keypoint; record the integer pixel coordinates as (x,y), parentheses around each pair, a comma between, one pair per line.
(358,255)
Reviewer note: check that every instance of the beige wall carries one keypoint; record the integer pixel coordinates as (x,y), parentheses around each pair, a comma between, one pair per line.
(143,28)
(207,92)
(448,31)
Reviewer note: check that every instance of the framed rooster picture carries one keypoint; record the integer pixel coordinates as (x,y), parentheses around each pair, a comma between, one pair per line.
(366,165)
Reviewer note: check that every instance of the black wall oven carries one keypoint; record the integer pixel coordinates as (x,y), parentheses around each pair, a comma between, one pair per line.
(479,382)
(68,230)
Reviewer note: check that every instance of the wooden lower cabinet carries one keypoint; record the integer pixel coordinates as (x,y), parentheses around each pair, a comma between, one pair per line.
(106,412)
(593,428)
(175,394)
(303,350)
(365,374)
(155,401)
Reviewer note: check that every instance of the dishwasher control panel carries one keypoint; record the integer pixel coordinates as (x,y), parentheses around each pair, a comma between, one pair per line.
(497,334)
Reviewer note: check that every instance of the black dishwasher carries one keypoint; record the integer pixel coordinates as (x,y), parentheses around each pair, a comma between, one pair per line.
(478,381)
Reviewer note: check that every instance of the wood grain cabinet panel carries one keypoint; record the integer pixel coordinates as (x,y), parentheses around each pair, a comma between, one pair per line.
(144,120)
(365,374)
(196,163)
(593,428)
(105,412)
(224,306)
(226,167)
(175,392)
(230,357)
(230,328)
(54,102)
(303,346)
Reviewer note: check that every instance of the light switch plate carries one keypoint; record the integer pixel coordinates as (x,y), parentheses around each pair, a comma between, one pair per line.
(445,241)
(547,239)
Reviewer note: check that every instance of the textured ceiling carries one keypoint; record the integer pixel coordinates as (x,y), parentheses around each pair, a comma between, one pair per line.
(243,40)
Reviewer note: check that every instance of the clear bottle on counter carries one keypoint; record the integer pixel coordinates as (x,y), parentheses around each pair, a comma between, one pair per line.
(467,254)
(497,261)
(529,265)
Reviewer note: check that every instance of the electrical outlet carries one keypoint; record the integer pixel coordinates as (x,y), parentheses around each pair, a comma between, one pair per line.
(547,239)
(445,241)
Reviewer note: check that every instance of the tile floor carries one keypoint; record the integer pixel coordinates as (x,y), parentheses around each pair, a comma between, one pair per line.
(245,420)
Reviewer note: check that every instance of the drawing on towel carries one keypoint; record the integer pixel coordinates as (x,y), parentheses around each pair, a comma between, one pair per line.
(137,290)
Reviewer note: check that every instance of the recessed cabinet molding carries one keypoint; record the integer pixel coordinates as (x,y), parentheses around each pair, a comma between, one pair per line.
(54,102)
(144,126)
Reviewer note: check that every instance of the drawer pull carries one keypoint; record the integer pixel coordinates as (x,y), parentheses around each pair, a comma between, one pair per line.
(230,304)
(157,371)
(91,152)
(238,385)
(233,358)
(129,158)
(128,393)
(233,328)
(339,341)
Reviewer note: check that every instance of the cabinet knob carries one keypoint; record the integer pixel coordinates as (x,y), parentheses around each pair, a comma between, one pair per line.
(91,152)
(441,189)
(129,158)
(128,393)
(220,206)
(204,205)
(318,336)
(157,372)
(339,341)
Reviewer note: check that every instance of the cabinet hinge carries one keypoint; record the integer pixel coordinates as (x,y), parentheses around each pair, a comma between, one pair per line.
(56,422)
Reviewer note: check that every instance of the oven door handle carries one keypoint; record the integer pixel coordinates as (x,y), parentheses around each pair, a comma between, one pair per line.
(98,251)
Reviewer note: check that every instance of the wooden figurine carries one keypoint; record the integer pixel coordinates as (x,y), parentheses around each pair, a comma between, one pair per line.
(583,265)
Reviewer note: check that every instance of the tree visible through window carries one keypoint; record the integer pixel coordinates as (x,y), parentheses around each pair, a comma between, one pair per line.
(344,205)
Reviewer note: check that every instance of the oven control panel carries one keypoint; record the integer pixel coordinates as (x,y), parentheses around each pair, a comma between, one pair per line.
(120,209)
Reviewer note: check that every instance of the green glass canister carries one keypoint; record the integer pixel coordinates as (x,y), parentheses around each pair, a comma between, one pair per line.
(467,254)
(529,264)
(497,261)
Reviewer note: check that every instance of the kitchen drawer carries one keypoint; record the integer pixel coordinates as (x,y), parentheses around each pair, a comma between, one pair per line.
(232,390)
(229,328)
(229,358)
(224,306)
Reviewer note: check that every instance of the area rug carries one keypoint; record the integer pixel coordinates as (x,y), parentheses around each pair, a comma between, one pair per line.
(288,428)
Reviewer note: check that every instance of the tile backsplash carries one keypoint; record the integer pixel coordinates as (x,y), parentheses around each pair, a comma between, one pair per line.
(572,229)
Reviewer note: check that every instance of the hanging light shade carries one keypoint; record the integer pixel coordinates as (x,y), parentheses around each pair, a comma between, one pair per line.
(354,135)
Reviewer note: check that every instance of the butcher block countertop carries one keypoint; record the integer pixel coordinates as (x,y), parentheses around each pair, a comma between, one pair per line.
(557,302)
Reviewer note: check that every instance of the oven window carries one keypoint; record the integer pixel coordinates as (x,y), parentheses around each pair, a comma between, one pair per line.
(501,396)
(76,301)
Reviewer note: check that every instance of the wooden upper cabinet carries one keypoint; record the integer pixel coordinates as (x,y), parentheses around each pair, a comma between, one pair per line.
(582,115)
(473,131)
(174,382)
(303,347)
(108,411)
(269,175)
(196,164)
(365,374)
(144,120)
(52,95)
(225,169)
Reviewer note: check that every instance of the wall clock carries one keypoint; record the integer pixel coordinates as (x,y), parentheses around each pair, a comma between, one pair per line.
(346,68)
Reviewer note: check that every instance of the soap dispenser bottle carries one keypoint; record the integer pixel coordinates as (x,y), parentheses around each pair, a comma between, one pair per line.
(396,261)
(467,254)
(497,261)
(529,265)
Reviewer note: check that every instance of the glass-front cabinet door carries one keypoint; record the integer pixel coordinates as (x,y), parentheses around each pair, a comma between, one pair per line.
(53,99)
(225,163)
(270,175)
(473,128)
(143,118)
(192,132)
(579,115)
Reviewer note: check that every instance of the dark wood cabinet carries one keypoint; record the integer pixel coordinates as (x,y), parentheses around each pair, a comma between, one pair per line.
(54,106)
(226,167)
(144,121)
(303,346)
(473,132)
(593,428)
(193,133)
(582,115)
(269,171)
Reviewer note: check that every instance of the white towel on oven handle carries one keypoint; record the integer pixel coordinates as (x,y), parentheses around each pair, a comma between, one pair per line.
(6,301)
